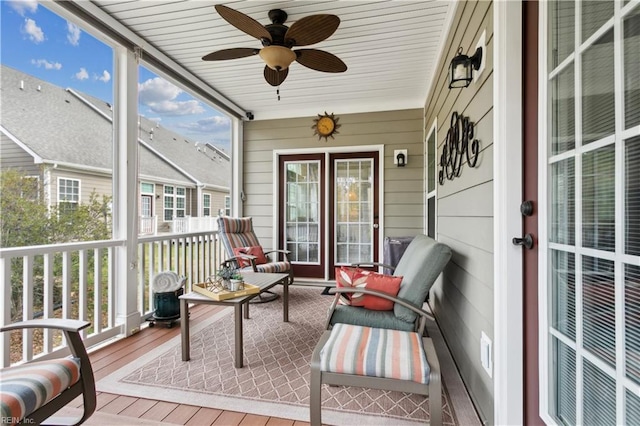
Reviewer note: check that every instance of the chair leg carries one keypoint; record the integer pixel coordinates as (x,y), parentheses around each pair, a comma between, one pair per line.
(315,388)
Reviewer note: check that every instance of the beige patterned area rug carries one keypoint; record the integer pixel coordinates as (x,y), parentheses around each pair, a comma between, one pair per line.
(275,378)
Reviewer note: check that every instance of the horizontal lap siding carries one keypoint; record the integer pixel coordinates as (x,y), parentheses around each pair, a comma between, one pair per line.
(463,299)
(403,187)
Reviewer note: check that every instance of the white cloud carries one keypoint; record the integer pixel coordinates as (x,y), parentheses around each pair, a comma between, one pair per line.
(22,6)
(46,64)
(159,95)
(213,124)
(33,31)
(73,34)
(105,77)
(82,74)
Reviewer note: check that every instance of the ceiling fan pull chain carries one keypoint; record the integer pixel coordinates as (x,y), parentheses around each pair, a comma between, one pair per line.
(278,92)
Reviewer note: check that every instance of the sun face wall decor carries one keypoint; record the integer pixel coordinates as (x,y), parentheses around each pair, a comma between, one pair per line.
(325,126)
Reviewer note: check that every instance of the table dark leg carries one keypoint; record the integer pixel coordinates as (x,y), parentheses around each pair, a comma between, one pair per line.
(246,310)
(184,329)
(238,337)
(285,301)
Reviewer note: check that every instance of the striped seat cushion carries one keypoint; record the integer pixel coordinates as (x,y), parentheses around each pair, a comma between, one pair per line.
(274,267)
(376,352)
(25,388)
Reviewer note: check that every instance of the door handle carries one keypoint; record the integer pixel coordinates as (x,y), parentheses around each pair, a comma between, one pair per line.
(376,226)
(526,241)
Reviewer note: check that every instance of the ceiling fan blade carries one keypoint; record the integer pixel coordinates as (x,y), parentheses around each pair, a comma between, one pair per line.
(311,29)
(243,22)
(235,53)
(273,77)
(320,60)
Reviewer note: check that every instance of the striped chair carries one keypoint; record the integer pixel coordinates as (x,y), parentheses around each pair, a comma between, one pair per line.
(31,393)
(236,233)
(379,358)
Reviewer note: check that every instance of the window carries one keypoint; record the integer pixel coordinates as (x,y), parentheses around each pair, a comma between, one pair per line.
(68,194)
(174,202)
(206,205)
(227,205)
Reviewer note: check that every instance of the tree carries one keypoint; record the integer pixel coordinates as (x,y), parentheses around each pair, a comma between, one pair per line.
(27,220)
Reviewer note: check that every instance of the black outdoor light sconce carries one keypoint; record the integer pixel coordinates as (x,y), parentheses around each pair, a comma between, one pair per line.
(400,157)
(461,68)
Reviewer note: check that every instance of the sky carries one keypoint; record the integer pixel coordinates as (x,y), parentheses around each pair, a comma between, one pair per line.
(40,43)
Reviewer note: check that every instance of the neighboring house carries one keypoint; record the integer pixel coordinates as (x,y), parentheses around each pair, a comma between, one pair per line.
(64,138)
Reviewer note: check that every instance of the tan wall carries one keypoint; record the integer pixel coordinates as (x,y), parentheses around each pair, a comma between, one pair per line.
(14,157)
(403,187)
(463,300)
(100,184)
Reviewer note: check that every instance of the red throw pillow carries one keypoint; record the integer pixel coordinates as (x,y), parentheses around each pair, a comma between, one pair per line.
(253,251)
(388,284)
(350,277)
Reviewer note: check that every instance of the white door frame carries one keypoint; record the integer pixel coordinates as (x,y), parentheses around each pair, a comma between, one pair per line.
(508,400)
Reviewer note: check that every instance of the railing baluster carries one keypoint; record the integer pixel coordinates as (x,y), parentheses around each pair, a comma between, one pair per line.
(48,301)
(97,291)
(83,298)
(5,311)
(66,285)
(111,290)
(27,306)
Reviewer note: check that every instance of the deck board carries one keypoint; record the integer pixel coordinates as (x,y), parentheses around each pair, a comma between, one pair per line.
(110,358)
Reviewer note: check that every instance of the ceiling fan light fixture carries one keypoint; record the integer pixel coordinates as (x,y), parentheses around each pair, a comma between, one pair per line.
(277,57)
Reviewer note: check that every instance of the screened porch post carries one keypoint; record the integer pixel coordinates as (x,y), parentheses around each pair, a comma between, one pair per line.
(125,188)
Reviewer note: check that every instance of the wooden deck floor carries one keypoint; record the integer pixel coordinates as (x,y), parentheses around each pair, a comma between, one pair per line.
(114,356)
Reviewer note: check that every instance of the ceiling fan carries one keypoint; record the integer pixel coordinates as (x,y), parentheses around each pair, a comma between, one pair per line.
(278,40)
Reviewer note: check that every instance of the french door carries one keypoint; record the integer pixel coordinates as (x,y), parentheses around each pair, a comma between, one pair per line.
(590,246)
(345,215)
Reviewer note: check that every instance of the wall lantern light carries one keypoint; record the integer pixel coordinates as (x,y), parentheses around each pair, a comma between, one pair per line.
(400,157)
(461,68)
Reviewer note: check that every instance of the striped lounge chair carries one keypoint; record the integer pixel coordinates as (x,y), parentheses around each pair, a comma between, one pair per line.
(244,249)
(31,393)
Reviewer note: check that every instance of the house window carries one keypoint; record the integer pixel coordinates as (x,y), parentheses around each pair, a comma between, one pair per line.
(206,204)
(68,194)
(174,202)
(147,191)
(227,205)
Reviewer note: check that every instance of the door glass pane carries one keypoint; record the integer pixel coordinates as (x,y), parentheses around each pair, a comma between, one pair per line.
(598,99)
(599,316)
(563,286)
(145,206)
(561,31)
(632,69)
(302,222)
(632,196)
(599,396)
(632,322)
(563,118)
(564,365)
(563,202)
(632,408)
(598,199)
(594,15)
(354,210)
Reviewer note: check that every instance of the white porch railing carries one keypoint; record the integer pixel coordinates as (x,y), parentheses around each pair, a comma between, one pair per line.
(76,280)
(148,225)
(193,224)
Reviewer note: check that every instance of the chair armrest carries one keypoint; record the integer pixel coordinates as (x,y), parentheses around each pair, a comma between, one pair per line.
(424,315)
(285,253)
(372,264)
(61,324)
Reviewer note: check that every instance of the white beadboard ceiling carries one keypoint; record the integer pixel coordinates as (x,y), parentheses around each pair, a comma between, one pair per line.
(390,48)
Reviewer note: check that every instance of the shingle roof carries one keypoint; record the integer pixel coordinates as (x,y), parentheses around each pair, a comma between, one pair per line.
(62,126)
